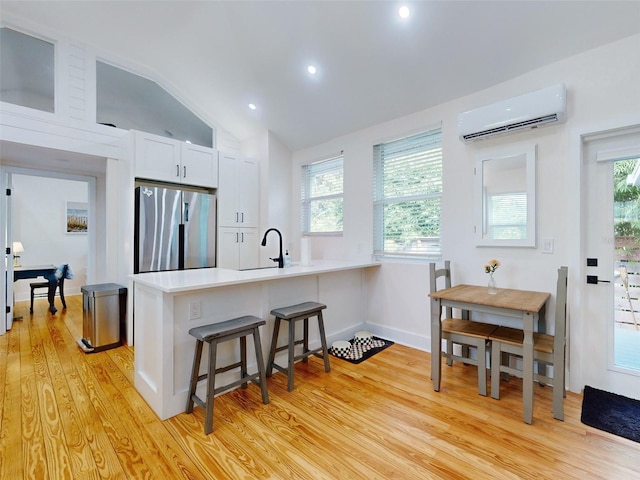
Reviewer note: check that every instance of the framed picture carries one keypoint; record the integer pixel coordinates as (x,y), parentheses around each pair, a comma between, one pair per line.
(77,214)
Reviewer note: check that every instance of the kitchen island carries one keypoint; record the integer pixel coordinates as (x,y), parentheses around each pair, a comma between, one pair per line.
(167,304)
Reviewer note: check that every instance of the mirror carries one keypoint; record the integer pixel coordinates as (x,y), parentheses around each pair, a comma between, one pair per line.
(506,198)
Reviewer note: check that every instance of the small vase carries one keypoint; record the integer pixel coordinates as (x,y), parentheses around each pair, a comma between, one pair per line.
(491,288)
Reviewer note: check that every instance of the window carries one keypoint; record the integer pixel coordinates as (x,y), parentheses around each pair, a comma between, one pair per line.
(129,101)
(27,71)
(322,196)
(407,188)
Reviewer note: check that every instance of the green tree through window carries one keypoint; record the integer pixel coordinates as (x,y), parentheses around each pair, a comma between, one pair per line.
(408,195)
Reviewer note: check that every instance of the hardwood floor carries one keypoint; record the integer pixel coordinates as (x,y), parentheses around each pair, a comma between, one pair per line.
(69,415)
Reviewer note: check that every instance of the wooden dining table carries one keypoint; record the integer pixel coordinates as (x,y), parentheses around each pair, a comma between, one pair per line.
(528,306)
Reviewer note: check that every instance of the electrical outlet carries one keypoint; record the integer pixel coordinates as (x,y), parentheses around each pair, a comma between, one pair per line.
(194,310)
(547,245)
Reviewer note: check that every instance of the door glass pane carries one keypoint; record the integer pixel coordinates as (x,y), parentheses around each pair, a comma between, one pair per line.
(626,217)
(26,71)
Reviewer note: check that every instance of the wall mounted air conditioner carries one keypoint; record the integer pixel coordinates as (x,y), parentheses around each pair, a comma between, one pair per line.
(531,110)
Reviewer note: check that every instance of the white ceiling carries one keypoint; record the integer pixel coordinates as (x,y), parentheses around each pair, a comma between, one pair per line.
(219,56)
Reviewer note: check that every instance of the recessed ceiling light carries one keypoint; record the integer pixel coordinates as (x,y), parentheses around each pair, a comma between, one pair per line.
(404,12)
(311,69)
(252,106)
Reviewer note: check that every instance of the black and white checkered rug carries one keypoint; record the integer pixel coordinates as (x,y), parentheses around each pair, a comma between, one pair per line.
(361,351)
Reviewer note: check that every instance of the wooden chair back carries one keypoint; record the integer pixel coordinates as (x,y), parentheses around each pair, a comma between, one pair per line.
(437,273)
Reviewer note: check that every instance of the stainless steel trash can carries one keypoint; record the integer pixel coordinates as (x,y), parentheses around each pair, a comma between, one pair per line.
(104,309)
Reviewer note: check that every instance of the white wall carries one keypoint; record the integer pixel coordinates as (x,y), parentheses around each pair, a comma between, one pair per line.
(39,205)
(603,87)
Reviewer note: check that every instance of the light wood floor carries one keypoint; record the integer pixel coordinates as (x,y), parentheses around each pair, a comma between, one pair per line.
(67,414)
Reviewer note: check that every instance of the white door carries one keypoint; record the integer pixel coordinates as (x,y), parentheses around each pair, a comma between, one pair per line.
(608,333)
(7,236)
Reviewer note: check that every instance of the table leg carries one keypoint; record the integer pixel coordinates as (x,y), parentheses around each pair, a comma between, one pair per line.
(436,343)
(527,365)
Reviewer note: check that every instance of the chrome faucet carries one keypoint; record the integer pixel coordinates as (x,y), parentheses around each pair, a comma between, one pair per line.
(280,258)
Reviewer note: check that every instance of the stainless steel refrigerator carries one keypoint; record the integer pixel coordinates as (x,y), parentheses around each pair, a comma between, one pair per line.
(175,229)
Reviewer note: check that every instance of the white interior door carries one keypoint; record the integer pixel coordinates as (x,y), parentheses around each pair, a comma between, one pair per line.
(607,330)
(7,236)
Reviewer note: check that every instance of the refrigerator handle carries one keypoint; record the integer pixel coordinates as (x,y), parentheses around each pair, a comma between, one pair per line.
(186,212)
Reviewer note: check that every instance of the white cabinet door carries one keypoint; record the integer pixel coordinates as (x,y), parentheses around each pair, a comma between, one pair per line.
(248,192)
(156,157)
(199,166)
(238,191)
(228,214)
(238,248)
(168,160)
(228,248)
(249,248)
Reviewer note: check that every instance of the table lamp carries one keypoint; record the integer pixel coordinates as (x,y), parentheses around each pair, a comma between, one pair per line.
(17,248)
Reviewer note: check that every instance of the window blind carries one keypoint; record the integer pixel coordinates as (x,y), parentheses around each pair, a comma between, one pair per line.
(322,196)
(507,216)
(407,195)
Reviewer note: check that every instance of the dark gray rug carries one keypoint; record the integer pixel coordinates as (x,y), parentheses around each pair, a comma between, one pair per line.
(612,413)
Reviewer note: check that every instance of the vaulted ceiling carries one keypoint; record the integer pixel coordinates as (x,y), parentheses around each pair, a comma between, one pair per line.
(219,56)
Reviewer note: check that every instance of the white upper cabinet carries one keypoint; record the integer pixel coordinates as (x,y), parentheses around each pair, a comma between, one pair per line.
(199,165)
(169,160)
(238,192)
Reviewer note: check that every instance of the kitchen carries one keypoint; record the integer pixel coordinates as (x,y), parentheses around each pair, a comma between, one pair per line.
(396,302)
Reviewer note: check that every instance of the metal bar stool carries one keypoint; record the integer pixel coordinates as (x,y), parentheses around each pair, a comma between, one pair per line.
(213,334)
(292,314)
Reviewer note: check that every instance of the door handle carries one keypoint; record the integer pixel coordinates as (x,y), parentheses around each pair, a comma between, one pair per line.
(594,280)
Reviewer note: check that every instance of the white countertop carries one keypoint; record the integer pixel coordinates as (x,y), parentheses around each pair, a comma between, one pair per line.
(201,278)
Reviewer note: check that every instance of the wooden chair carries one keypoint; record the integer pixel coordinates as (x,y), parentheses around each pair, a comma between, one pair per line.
(507,342)
(463,332)
(59,284)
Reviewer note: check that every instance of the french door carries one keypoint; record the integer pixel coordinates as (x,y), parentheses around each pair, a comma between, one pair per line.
(610,317)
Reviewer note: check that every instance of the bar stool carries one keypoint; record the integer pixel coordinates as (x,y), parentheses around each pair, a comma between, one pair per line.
(213,334)
(292,314)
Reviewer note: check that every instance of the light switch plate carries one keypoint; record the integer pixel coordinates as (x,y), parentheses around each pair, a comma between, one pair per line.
(547,245)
